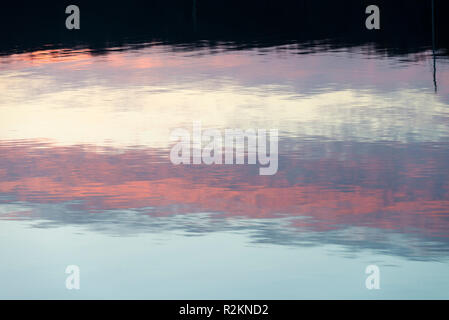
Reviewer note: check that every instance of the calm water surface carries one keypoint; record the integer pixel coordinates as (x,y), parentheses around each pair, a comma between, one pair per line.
(85,177)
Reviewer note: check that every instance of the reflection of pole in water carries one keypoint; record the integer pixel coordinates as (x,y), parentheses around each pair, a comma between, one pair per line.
(433,47)
(194,14)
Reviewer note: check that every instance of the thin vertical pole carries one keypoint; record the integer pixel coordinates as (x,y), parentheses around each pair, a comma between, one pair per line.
(194,14)
(433,47)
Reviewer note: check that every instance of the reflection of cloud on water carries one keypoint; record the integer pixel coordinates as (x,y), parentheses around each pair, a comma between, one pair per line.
(116,102)
(321,186)
(275,231)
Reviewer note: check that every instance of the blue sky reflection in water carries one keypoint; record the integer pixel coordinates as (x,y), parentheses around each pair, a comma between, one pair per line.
(85,177)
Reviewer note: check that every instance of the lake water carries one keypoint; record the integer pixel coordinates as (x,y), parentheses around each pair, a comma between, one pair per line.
(86,179)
